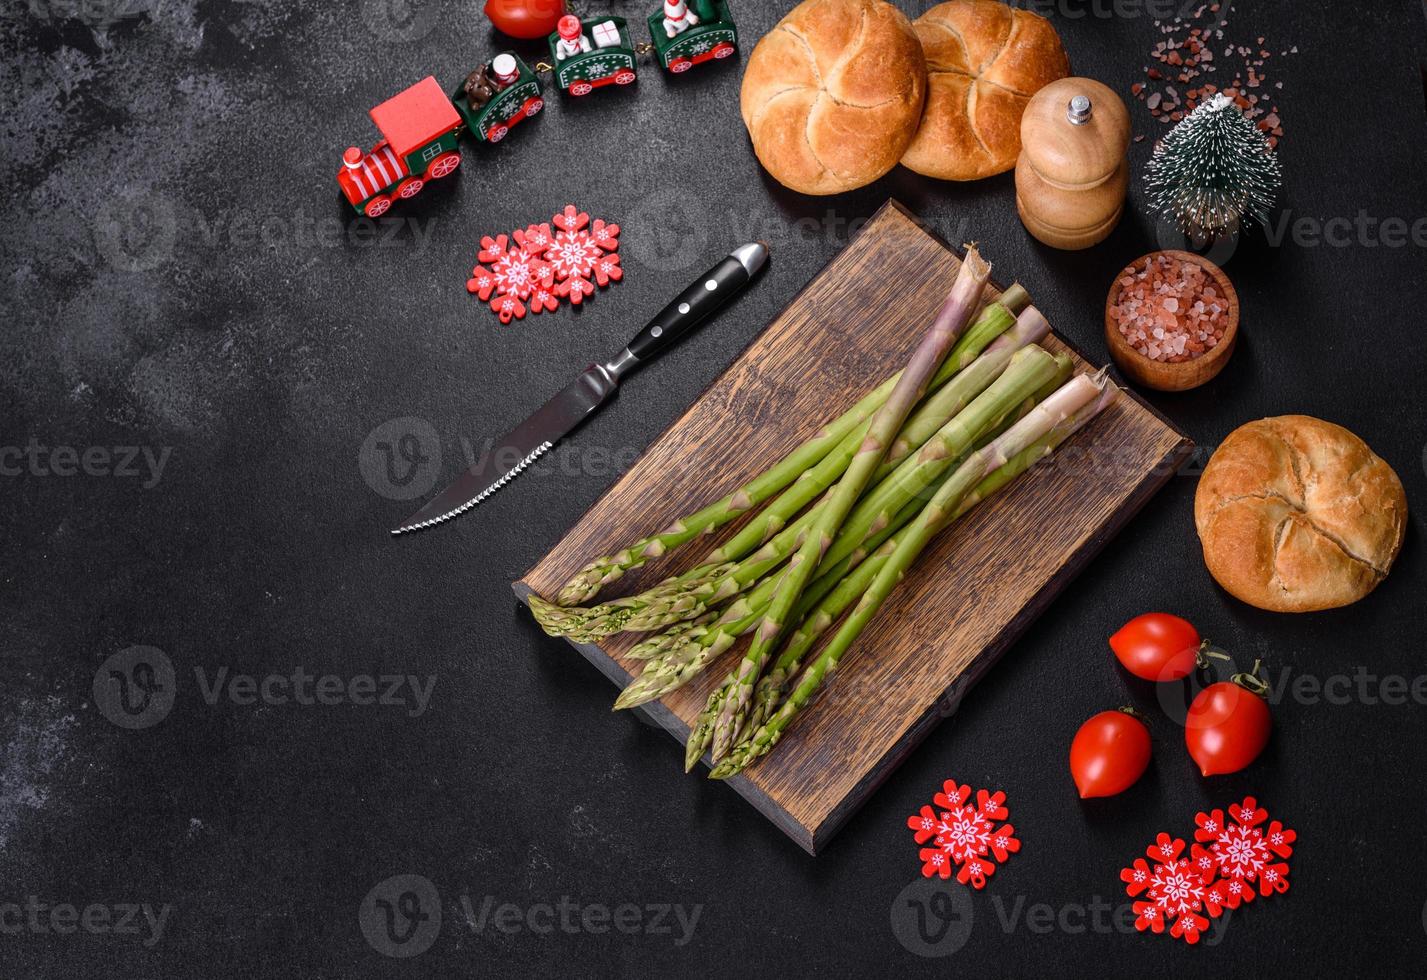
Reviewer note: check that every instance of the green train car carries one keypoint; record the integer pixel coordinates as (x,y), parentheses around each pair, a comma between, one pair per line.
(516,101)
(606,58)
(714,36)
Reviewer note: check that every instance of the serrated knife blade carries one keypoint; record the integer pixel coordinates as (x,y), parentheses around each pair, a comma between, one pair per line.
(508,457)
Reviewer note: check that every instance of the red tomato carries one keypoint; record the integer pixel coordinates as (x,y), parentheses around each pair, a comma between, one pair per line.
(1226,728)
(529,19)
(1157,646)
(1109,753)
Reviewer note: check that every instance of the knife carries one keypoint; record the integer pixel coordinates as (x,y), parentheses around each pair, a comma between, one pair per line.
(512,453)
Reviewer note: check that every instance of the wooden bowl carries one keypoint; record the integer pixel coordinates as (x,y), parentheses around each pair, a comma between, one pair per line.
(1166,375)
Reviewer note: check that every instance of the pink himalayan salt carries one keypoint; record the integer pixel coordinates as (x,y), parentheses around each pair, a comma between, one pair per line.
(1169,309)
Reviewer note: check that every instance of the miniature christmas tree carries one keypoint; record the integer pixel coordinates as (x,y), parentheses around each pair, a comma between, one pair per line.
(1212,170)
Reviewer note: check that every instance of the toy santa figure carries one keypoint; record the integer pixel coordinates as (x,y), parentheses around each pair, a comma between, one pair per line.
(572,38)
(678,18)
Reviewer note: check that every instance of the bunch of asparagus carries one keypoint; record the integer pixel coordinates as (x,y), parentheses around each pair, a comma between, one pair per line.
(847,513)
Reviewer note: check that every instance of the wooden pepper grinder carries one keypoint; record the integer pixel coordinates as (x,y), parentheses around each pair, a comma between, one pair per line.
(1073,170)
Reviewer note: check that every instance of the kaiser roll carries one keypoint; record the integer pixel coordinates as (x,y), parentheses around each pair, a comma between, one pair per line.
(985,61)
(1297,514)
(832,94)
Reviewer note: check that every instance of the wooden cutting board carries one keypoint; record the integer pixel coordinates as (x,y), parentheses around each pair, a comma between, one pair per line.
(972,593)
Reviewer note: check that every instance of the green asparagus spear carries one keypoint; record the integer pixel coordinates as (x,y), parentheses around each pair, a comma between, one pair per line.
(936,412)
(1071,406)
(950,394)
(681,662)
(844,585)
(589,624)
(948,440)
(838,587)
(584,625)
(694,594)
(974,376)
(695,649)
(931,352)
(587,583)
(1030,368)
(663,643)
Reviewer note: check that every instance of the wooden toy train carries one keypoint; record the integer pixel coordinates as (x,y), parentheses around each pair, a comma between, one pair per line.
(420,126)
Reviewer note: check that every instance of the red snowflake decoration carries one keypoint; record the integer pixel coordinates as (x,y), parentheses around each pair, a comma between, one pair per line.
(508,308)
(964,836)
(1184,893)
(543,299)
(606,236)
(1243,854)
(544,266)
(1176,891)
(575,290)
(572,253)
(535,239)
(510,276)
(607,269)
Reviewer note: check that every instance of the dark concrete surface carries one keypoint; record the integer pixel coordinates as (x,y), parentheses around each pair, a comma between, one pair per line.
(180,277)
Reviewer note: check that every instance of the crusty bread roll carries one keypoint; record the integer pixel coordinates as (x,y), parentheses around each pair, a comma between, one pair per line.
(1297,514)
(832,94)
(984,62)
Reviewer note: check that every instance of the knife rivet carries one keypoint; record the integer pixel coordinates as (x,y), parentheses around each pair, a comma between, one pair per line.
(711,285)
(683,307)
(656,332)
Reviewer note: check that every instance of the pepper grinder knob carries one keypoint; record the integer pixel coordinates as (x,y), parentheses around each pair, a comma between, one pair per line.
(1078,111)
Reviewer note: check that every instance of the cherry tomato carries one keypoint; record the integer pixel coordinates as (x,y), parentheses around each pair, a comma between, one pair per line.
(1226,728)
(529,19)
(1109,753)
(1157,646)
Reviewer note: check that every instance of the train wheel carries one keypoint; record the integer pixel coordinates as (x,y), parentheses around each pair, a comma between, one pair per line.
(535,106)
(497,133)
(723,50)
(624,77)
(410,187)
(377,207)
(581,88)
(443,165)
(680,65)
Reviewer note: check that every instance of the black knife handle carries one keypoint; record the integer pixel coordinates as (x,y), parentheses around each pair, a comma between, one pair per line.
(708,293)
